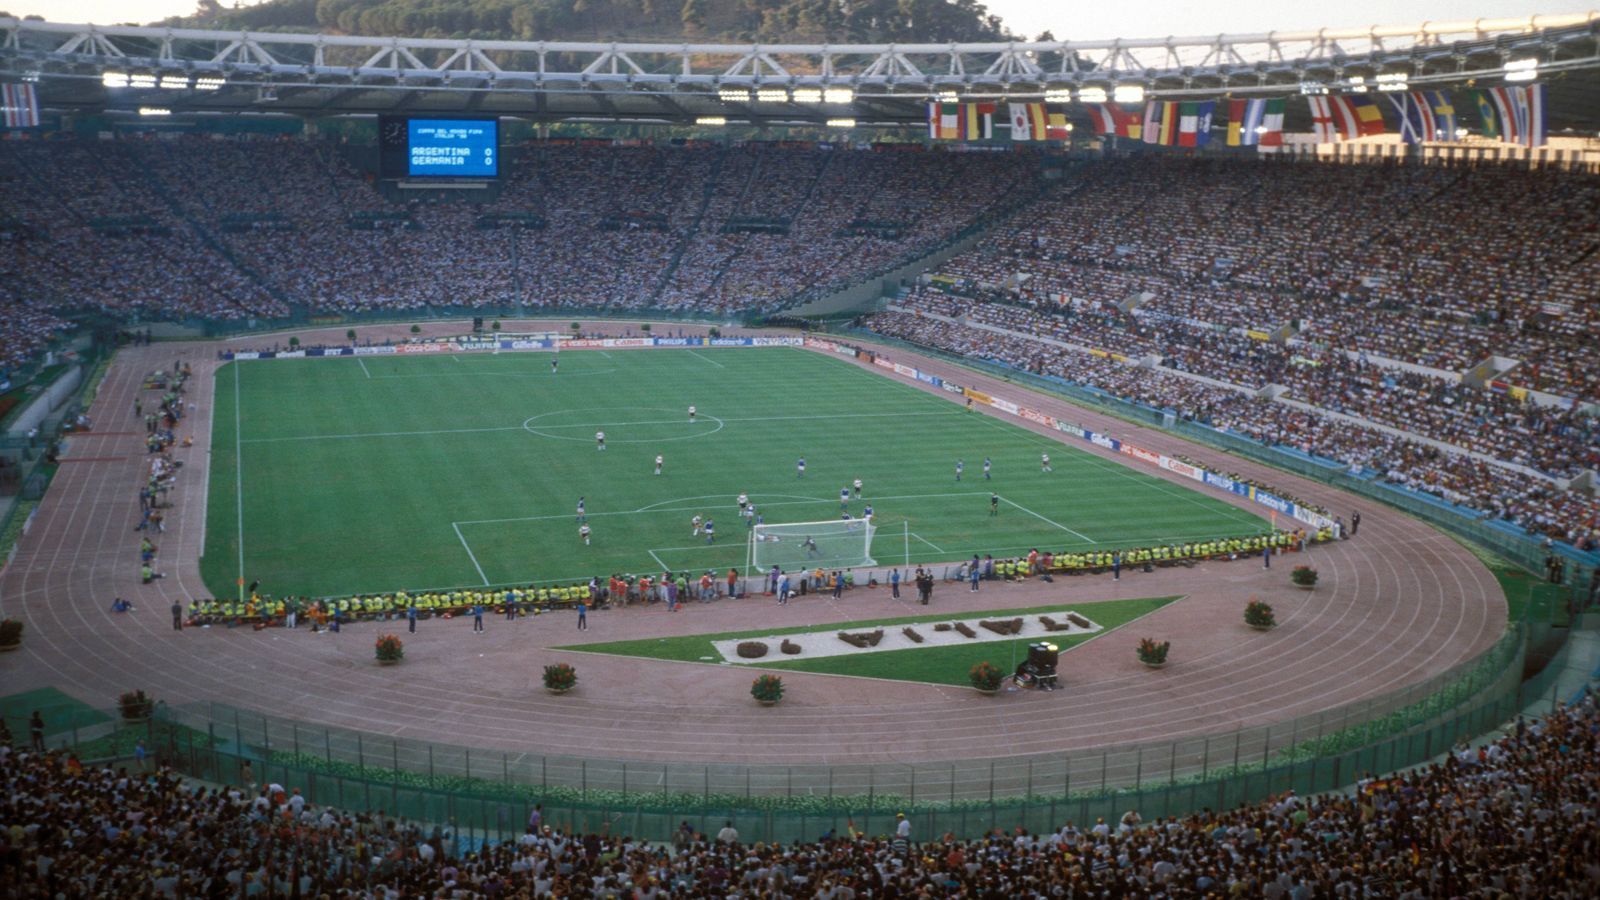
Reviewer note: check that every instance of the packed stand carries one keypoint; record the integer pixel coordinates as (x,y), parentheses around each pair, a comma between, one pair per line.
(1514,817)
(1441,266)
(1532,503)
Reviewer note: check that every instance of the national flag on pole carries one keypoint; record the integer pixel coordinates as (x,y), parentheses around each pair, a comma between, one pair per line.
(1344,118)
(1056,127)
(1028,122)
(1110,119)
(1416,117)
(1444,114)
(21,105)
(1322,124)
(1161,122)
(1253,123)
(1519,112)
(1491,128)
(1194,123)
(942,121)
(977,121)
(1364,112)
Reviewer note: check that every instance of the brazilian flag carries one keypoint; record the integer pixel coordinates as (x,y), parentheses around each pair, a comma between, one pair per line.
(1491,124)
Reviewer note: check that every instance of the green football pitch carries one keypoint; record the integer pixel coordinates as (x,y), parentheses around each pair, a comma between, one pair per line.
(368,474)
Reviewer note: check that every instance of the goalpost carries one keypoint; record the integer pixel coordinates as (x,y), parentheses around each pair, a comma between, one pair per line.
(831,544)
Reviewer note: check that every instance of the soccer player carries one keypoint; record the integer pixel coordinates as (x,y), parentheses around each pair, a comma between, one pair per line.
(857,486)
(554,363)
(986,466)
(582,516)
(1044,463)
(744,500)
(801,467)
(866,513)
(691,415)
(659,461)
(711,531)
(994,504)
(960,465)
(600,440)
(844,498)
(697,526)
(811,547)
(749,513)
(761,520)
(583,532)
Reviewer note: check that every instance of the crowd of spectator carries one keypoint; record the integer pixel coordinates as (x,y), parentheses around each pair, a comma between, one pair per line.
(196,225)
(1516,817)
(1441,266)
(1536,504)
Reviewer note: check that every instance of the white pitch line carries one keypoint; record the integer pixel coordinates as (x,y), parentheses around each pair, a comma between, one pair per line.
(664,566)
(698,506)
(364,368)
(936,547)
(1051,521)
(708,359)
(332,437)
(470,554)
(238,470)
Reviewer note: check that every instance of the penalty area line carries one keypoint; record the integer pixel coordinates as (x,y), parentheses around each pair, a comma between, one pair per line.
(1030,512)
(707,359)
(470,555)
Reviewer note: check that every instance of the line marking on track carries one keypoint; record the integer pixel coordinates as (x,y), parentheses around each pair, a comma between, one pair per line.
(707,359)
(1050,521)
(470,555)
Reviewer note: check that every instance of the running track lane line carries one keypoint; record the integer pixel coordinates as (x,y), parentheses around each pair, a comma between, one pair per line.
(470,554)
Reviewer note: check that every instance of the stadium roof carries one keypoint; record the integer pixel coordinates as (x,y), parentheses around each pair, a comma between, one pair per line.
(91,68)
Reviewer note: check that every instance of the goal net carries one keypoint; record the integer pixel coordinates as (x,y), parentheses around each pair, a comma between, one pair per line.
(834,544)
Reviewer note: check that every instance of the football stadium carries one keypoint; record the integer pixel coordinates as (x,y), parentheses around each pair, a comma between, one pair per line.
(790,450)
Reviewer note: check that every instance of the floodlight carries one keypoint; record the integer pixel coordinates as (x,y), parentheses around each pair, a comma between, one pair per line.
(114,79)
(711,120)
(733,95)
(1092,95)
(1128,93)
(841,123)
(154,111)
(1060,95)
(1522,69)
(807,95)
(838,95)
(772,95)
(174,83)
(207,84)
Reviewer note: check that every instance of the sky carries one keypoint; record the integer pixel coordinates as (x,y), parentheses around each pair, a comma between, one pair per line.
(1128,18)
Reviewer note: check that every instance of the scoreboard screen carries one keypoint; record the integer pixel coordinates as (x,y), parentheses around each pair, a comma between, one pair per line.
(439,148)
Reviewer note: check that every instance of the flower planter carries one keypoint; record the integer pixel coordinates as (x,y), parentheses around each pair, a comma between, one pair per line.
(1262,627)
(7,648)
(767,702)
(556,690)
(388,662)
(1306,587)
(987,693)
(1155,665)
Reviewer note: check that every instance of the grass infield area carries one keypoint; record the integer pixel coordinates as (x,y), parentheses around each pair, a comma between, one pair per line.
(934,665)
(380,473)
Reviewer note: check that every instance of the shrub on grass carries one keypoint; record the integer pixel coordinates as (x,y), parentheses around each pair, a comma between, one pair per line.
(942,626)
(965,629)
(1079,621)
(751,649)
(1052,625)
(912,634)
(861,640)
(789,647)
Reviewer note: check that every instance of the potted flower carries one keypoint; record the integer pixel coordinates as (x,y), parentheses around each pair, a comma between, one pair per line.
(768,689)
(10,635)
(986,678)
(389,649)
(1258,615)
(135,706)
(1304,576)
(560,678)
(1153,653)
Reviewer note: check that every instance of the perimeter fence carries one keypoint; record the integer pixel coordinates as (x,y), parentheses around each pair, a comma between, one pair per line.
(491,792)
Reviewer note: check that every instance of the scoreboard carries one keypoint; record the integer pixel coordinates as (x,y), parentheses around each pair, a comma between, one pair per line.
(422,147)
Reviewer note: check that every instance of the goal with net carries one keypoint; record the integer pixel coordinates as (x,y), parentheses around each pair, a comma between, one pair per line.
(833,544)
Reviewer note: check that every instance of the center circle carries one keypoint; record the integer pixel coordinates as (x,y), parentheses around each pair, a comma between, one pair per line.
(622,424)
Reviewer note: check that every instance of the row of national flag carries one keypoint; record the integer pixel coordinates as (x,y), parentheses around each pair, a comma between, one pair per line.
(1511,114)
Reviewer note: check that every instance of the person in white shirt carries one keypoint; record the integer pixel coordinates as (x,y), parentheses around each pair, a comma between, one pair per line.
(728,834)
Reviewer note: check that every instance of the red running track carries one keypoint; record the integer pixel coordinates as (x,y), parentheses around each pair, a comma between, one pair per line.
(1396,605)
